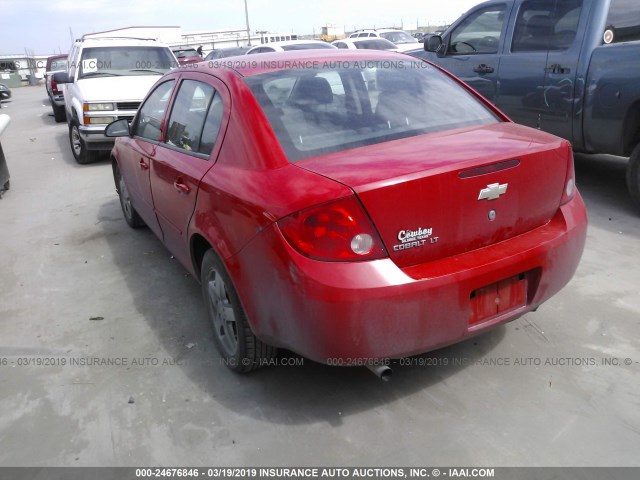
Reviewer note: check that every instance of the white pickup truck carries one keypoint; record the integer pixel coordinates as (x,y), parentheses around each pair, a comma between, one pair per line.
(106,80)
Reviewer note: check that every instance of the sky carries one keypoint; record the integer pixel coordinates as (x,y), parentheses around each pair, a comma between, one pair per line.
(45,26)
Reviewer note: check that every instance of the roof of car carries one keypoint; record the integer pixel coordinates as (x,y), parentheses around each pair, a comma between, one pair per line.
(289,42)
(120,41)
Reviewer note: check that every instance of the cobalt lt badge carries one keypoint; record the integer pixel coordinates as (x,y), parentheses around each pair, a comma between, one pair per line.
(493,191)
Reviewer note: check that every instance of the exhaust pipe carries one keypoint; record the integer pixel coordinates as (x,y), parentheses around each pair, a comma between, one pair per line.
(383,372)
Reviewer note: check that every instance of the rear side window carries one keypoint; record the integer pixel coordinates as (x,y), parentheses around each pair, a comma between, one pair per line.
(624,20)
(325,110)
(544,25)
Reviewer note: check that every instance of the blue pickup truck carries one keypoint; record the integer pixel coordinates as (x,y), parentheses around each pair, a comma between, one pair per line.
(569,67)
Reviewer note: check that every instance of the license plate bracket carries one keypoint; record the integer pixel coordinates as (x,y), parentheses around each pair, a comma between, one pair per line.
(498,298)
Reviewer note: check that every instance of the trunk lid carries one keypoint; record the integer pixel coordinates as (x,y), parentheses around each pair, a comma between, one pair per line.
(441,194)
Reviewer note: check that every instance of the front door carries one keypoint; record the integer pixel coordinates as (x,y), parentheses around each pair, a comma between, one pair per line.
(473,46)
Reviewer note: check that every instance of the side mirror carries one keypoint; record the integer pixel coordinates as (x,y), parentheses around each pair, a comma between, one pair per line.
(433,43)
(62,77)
(119,128)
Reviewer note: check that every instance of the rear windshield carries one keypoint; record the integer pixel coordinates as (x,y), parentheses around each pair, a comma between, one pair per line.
(375,44)
(58,64)
(624,19)
(186,53)
(343,105)
(118,61)
(398,37)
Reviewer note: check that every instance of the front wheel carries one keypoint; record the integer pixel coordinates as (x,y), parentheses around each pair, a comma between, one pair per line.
(79,147)
(241,350)
(633,176)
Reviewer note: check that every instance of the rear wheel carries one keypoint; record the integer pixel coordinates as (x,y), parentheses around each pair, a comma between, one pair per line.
(241,350)
(79,147)
(130,214)
(633,175)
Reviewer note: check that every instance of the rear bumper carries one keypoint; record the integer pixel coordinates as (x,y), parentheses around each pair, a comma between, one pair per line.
(339,312)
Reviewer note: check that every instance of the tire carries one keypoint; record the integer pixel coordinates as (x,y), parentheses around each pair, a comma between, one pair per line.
(633,176)
(78,147)
(241,350)
(130,214)
(59,114)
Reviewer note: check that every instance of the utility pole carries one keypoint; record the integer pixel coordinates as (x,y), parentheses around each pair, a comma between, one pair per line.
(246,15)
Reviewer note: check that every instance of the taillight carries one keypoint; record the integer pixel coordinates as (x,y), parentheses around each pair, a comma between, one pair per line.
(570,179)
(335,231)
(54,86)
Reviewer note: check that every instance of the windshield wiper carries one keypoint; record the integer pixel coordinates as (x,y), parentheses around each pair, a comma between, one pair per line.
(94,74)
(146,70)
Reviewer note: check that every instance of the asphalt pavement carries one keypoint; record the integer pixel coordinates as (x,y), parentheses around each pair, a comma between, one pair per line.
(107,357)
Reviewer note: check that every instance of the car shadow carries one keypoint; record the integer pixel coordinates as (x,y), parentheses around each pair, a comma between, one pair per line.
(297,391)
(601,180)
(62,141)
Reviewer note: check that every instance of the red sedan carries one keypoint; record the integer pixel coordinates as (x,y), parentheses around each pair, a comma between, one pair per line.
(348,206)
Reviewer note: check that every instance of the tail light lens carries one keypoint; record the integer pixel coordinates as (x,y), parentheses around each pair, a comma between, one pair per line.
(54,86)
(335,231)
(570,179)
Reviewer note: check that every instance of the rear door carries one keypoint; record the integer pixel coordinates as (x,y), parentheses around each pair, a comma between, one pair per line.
(191,145)
(537,74)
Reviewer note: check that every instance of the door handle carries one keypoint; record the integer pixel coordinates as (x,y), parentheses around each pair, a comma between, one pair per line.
(483,68)
(181,187)
(143,165)
(557,68)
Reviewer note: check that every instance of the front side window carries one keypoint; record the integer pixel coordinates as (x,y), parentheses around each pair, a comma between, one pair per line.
(118,61)
(188,115)
(478,33)
(624,20)
(148,124)
(325,110)
(544,25)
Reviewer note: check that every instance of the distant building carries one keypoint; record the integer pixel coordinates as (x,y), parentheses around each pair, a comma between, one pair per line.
(332,32)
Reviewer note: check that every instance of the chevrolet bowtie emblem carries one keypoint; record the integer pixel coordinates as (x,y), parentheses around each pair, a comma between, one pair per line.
(493,191)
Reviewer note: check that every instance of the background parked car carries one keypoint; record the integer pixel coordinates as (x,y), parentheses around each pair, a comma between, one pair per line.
(290,45)
(5,92)
(186,56)
(57,63)
(365,44)
(226,52)
(4,170)
(106,80)
(402,39)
